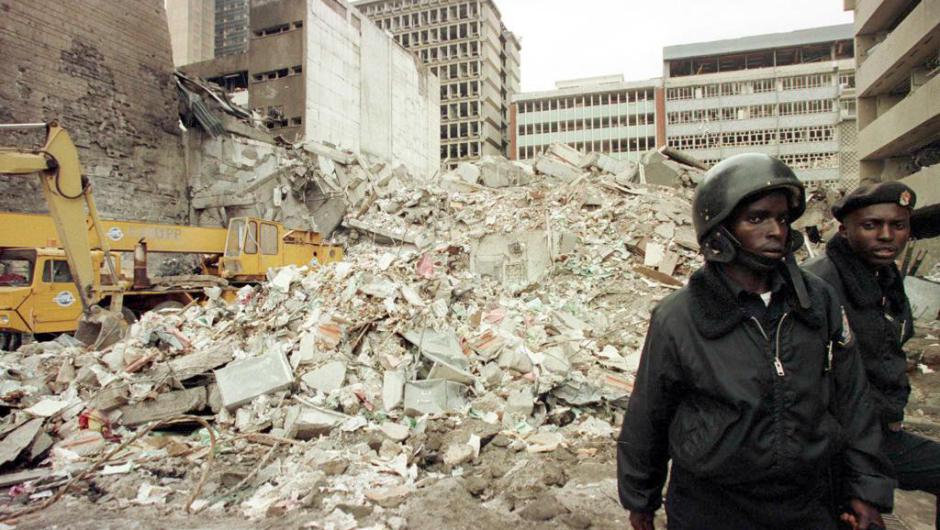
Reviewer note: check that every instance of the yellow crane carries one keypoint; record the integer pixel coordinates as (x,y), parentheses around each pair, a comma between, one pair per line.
(57,269)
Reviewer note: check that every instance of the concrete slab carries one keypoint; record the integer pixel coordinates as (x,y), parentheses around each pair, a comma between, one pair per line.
(242,381)
(165,406)
(434,396)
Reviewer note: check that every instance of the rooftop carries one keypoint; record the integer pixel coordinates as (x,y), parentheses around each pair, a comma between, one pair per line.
(760,42)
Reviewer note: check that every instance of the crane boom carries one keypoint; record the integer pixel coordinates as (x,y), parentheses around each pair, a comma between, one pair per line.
(67,194)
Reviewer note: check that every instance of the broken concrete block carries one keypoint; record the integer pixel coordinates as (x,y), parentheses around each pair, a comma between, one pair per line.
(457,454)
(304,423)
(18,440)
(47,407)
(657,170)
(395,431)
(491,374)
(393,389)
(521,402)
(450,372)
(242,381)
(165,406)
(559,170)
(565,152)
(516,360)
(468,172)
(327,378)
(434,396)
(200,362)
(544,442)
(83,443)
(110,398)
(390,497)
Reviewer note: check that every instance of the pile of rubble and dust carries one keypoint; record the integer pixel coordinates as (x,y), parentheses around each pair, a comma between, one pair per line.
(477,340)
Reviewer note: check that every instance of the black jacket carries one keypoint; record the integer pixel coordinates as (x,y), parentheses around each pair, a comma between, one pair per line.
(708,395)
(880,316)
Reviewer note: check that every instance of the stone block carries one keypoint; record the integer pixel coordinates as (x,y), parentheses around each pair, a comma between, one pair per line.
(242,381)
(165,406)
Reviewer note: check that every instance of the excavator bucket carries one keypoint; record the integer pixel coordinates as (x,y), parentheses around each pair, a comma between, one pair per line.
(100,328)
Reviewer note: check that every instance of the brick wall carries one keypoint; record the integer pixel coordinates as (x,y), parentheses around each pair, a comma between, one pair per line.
(104,70)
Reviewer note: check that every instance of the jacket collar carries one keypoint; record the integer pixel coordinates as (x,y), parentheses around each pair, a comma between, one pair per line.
(861,285)
(718,312)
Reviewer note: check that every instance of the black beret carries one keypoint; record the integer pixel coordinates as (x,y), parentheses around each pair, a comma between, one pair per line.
(884,192)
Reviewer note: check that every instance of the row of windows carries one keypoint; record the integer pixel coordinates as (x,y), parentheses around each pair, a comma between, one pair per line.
(748,112)
(456,71)
(456,111)
(280,28)
(419,19)
(458,131)
(626,120)
(620,145)
(459,151)
(277,74)
(751,138)
(449,52)
(581,101)
(460,90)
(759,86)
(437,35)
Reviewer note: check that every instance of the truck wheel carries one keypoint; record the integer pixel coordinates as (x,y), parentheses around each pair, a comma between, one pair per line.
(4,341)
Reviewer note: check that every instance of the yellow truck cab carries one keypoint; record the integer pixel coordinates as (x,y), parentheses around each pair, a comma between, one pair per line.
(254,245)
(37,294)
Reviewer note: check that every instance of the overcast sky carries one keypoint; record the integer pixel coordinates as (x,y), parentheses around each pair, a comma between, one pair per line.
(568,39)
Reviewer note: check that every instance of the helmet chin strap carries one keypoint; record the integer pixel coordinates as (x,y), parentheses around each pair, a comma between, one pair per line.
(757,262)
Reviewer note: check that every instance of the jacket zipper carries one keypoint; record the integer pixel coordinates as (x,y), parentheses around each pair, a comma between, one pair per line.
(778,365)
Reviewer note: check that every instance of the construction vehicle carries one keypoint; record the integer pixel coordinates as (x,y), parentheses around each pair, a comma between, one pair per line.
(58,271)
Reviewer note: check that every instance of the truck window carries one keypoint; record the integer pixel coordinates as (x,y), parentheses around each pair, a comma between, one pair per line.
(268,239)
(15,272)
(56,271)
(236,234)
(251,240)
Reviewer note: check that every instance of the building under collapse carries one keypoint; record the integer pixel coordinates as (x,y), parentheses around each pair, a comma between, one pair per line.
(467,46)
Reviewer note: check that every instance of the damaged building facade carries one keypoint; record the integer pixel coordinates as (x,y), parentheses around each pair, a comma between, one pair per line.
(898,89)
(369,95)
(790,95)
(112,90)
(467,46)
(231,27)
(599,114)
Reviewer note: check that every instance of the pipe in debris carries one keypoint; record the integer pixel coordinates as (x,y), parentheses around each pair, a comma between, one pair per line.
(141,281)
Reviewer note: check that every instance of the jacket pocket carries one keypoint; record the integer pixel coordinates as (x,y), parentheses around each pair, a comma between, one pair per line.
(697,434)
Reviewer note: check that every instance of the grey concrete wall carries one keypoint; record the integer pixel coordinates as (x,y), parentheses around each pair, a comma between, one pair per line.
(104,70)
(366,93)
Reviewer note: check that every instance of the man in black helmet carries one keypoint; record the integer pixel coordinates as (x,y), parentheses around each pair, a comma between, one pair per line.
(749,382)
(875,225)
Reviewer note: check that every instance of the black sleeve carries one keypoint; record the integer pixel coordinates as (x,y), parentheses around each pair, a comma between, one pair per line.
(867,470)
(643,444)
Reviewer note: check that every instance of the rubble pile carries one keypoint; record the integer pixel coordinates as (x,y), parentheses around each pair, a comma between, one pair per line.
(496,309)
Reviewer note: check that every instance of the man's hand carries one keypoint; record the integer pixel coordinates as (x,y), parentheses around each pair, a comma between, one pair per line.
(864,516)
(642,520)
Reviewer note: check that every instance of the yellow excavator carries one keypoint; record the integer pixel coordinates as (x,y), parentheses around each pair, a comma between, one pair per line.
(59,272)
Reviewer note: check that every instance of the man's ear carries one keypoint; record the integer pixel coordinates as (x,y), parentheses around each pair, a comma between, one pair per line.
(842,228)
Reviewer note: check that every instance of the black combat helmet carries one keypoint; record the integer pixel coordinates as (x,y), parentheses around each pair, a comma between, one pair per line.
(736,178)
(731,182)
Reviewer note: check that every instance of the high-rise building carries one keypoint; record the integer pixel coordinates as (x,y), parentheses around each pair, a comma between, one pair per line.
(898,57)
(231,26)
(598,114)
(467,46)
(192,30)
(790,95)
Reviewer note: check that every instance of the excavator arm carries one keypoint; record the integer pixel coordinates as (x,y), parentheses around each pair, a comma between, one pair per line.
(67,194)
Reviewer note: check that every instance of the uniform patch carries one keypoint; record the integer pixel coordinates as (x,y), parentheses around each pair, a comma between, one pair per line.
(905,198)
(847,336)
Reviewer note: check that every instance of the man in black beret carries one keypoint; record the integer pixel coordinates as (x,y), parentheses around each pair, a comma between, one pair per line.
(860,263)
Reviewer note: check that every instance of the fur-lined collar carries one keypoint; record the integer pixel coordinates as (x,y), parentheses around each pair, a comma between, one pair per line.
(861,285)
(717,312)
